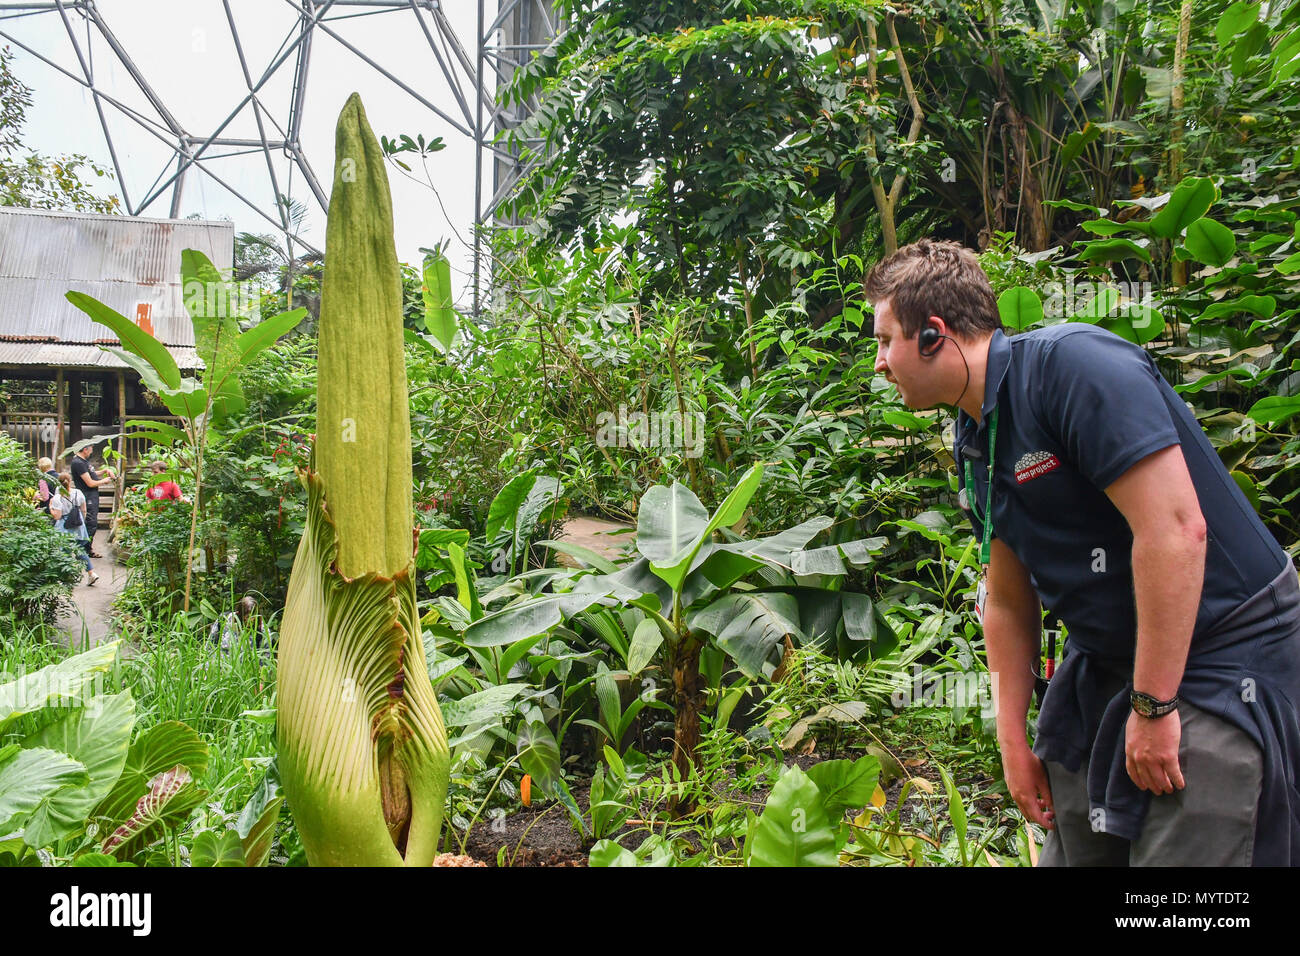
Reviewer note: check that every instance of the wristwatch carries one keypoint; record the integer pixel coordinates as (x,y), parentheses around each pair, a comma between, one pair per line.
(1147,706)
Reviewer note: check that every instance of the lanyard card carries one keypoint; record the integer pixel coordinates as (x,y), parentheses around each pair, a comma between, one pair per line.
(981,597)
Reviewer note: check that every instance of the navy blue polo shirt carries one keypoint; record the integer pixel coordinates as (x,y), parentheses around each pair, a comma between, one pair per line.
(1077,407)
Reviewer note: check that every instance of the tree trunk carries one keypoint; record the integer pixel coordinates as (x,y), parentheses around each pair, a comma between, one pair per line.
(1176,95)
(688,701)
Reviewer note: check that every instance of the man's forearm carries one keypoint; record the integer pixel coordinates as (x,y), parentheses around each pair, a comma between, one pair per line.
(1011,642)
(1168,573)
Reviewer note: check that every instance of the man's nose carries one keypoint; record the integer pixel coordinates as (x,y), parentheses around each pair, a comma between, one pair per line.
(881,364)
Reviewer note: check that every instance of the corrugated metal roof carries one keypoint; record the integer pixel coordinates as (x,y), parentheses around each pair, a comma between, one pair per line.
(62,355)
(123,261)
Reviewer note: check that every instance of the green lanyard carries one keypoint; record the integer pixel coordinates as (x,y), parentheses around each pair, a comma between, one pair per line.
(987,517)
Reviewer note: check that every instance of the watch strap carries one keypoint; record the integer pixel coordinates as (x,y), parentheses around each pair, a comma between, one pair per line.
(1147,706)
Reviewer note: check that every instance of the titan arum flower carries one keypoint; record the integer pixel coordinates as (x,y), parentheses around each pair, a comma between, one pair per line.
(363,750)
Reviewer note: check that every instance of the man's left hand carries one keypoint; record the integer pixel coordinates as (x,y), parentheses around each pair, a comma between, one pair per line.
(1151,752)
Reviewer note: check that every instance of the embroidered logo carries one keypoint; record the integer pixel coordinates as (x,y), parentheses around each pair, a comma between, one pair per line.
(1035,465)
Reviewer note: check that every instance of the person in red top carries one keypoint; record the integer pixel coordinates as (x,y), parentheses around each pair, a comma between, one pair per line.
(163,490)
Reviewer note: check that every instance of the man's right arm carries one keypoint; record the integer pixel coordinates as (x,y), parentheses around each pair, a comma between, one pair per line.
(1013,625)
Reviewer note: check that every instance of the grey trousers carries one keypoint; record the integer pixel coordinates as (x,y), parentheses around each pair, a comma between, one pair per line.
(1211,822)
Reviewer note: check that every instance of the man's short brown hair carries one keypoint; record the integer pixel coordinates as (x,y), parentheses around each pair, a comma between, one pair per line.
(935,278)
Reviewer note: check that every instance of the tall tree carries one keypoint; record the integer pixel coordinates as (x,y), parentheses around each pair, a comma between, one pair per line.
(26,177)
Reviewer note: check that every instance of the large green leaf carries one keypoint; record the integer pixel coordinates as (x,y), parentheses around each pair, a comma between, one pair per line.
(794,829)
(266,333)
(1190,201)
(845,784)
(1136,323)
(1275,408)
(863,622)
(1234,21)
(433,542)
(528,617)
(1262,306)
(169,799)
(1210,242)
(1019,308)
(641,650)
(161,747)
(676,512)
(159,432)
(669,521)
(95,736)
(56,685)
(490,704)
(212,303)
(29,778)
(439,311)
(586,555)
(748,626)
(539,755)
(189,400)
(148,376)
(779,550)
(217,849)
(1103,304)
(1111,250)
(506,504)
(256,824)
(132,337)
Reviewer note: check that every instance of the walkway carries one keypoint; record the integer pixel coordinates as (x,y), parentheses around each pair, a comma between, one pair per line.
(607,538)
(89,621)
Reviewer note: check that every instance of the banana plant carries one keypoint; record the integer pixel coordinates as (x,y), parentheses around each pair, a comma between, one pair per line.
(363,754)
(212,305)
(697,592)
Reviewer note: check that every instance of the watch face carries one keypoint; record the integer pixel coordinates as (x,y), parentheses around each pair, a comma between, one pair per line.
(1142,704)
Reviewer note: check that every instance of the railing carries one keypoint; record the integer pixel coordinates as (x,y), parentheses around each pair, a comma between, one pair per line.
(37,431)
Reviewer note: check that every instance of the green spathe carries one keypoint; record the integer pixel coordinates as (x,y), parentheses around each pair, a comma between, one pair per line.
(362,748)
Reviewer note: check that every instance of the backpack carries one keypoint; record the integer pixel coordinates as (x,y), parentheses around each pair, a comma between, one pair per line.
(71,516)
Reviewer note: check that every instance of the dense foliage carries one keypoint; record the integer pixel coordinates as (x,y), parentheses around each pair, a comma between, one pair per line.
(677,340)
(38,565)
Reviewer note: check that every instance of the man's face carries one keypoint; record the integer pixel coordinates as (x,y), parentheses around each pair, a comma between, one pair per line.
(900,361)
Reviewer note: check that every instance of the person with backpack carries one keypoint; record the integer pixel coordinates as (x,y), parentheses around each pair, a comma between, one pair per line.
(47,485)
(88,482)
(68,509)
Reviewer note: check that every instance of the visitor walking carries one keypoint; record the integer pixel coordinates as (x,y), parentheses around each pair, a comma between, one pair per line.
(47,485)
(68,509)
(88,482)
(1169,734)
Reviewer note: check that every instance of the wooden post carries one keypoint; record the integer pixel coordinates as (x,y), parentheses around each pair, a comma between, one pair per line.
(74,407)
(58,434)
(120,485)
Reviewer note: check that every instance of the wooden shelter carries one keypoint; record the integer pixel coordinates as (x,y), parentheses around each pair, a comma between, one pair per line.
(52,366)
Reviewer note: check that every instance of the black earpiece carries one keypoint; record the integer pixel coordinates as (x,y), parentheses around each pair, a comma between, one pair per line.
(930,341)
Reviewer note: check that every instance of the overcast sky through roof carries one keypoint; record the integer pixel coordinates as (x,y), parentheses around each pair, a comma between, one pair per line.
(185,52)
